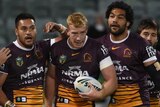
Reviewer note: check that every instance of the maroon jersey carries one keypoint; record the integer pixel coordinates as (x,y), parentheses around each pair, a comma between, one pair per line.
(71,63)
(154,92)
(24,83)
(128,56)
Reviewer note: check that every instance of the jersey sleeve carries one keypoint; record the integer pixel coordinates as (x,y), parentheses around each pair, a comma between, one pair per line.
(147,52)
(104,57)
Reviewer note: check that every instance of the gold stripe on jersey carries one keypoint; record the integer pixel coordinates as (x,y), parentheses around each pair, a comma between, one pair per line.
(154,102)
(74,100)
(127,95)
(29,106)
(69,105)
(29,96)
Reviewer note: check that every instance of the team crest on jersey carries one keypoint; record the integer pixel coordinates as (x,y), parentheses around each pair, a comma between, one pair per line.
(62,59)
(19,61)
(127,53)
(87,57)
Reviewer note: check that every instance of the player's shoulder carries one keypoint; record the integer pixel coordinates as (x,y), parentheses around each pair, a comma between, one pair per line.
(60,43)
(95,41)
(43,41)
(158,55)
(91,40)
(137,40)
(11,46)
(136,37)
(103,38)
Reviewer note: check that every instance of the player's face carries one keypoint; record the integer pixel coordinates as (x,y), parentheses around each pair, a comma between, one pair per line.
(26,33)
(77,36)
(150,35)
(117,22)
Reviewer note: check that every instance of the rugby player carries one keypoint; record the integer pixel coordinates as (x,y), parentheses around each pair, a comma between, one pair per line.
(148,29)
(78,55)
(22,76)
(132,56)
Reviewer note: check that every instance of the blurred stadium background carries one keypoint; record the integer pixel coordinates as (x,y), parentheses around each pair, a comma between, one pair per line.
(58,10)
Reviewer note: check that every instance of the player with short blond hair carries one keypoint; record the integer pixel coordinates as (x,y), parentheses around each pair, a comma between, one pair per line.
(75,56)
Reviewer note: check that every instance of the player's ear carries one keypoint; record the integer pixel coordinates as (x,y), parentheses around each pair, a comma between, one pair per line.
(68,33)
(16,31)
(157,39)
(128,23)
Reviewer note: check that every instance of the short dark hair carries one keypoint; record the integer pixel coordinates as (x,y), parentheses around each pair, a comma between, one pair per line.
(124,6)
(23,16)
(147,23)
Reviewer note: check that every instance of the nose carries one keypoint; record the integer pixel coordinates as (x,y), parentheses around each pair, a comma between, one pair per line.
(115,19)
(149,38)
(29,30)
(78,37)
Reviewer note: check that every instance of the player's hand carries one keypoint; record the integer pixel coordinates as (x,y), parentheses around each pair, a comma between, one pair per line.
(52,26)
(92,95)
(4,55)
(48,105)
(49,27)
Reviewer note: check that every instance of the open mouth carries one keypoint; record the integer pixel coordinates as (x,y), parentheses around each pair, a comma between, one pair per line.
(114,26)
(28,38)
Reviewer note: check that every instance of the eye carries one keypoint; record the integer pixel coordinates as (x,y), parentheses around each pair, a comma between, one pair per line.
(154,35)
(83,32)
(24,28)
(146,34)
(111,16)
(74,33)
(121,17)
(32,27)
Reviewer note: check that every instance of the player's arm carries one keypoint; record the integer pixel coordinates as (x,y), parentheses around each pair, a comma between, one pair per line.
(110,81)
(3,98)
(4,55)
(153,69)
(52,26)
(50,86)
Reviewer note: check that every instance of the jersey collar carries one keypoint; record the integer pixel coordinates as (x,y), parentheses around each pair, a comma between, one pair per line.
(20,47)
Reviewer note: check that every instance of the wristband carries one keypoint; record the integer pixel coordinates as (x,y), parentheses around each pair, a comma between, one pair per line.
(9,104)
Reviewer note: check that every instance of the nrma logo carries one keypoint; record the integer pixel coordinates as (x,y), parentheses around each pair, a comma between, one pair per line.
(120,68)
(75,71)
(150,84)
(32,70)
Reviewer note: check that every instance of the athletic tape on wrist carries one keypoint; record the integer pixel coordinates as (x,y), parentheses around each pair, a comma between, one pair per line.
(9,104)
(62,31)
